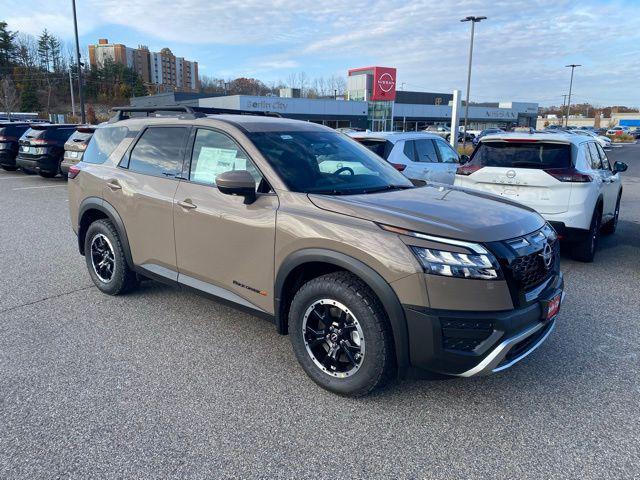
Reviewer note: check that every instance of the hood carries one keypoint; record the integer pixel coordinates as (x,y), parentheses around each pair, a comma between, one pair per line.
(440,210)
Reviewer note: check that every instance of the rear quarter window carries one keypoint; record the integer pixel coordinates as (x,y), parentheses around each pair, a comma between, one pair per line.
(103,143)
(382,148)
(522,155)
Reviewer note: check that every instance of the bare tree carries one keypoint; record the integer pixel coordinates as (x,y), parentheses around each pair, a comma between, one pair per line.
(8,96)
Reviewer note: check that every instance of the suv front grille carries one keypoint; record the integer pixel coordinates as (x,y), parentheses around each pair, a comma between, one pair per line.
(530,270)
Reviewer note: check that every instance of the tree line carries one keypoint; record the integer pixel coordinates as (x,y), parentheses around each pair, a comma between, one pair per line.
(320,87)
(38,72)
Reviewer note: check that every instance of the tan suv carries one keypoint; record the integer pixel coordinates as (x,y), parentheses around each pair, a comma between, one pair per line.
(369,274)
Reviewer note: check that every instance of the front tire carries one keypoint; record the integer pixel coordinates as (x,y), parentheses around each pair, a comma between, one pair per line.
(9,168)
(585,250)
(341,335)
(47,174)
(106,260)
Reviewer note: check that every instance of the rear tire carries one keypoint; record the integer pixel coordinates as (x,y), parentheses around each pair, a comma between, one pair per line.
(106,260)
(47,174)
(28,171)
(357,331)
(585,250)
(610,227)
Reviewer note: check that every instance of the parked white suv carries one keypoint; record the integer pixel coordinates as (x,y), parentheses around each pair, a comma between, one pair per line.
(568,179)
(418,155)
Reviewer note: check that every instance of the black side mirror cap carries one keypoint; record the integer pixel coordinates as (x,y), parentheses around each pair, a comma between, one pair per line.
(620,167)
(464,159)
(237,182)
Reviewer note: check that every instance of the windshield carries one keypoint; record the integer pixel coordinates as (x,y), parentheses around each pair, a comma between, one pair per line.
(522,155)
(326,162)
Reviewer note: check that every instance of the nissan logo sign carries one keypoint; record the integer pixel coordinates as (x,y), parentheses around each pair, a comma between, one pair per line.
(385,82)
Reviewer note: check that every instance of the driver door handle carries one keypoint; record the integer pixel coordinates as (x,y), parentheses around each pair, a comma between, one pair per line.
(114,185)
(187,204)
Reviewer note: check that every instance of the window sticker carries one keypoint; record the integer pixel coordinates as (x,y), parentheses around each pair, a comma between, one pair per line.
(214,161)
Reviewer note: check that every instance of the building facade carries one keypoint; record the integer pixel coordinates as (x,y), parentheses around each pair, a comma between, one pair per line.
(160,71)
(372,103)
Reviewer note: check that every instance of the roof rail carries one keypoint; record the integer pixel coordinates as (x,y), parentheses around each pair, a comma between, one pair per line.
(188,112)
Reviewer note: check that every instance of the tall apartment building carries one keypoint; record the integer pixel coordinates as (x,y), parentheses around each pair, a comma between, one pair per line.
(160,71)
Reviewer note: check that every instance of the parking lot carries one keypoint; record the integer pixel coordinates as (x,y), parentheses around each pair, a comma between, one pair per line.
(163,383)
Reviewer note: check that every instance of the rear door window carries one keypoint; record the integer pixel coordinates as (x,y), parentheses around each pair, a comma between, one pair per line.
(103,143)
(159,151)
(522,155)
(592,151)
(447,154)
(603,157)
(426,151)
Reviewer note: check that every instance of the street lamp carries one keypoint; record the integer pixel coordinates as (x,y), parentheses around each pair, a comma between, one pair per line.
(80,94)
(573,66)
(473,21)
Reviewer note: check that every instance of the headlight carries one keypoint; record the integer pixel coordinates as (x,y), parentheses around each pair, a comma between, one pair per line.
(463,265)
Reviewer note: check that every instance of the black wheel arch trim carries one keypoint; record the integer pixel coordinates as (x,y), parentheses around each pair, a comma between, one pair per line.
(95,203)
(373,279)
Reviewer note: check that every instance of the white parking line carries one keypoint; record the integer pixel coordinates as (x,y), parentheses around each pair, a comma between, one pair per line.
(14,177)
(44,186)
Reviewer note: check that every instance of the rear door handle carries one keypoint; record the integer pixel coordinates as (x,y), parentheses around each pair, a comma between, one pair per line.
(114,185)
(187,204)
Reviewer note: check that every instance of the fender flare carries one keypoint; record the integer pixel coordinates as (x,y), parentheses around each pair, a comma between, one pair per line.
(373,279)
(95,203)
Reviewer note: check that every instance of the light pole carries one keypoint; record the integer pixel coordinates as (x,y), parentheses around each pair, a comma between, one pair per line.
(79,64)
(573,66)
(473,21)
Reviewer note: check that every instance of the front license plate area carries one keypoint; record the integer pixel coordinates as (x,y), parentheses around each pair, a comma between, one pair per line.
(551,307)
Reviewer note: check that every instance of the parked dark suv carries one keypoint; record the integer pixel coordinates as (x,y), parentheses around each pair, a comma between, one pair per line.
(293,221)
(10,133)
(42,148)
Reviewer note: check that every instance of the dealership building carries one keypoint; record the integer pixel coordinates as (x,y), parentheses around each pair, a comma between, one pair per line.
(372,102)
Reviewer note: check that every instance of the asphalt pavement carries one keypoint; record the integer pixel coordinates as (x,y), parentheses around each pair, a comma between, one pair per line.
(163,383)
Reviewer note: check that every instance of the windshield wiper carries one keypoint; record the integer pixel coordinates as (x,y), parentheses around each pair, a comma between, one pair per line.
(387,188)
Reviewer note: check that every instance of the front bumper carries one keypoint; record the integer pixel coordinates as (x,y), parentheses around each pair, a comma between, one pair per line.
(466,344)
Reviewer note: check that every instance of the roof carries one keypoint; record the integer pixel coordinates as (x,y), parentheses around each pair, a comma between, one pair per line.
(393,136)
(248,123)
(567,138)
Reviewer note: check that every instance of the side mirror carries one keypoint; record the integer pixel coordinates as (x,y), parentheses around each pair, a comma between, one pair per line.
(237,182)
(464,159)
(620,167)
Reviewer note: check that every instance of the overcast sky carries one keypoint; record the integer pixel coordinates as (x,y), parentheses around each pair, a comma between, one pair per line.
(519,55)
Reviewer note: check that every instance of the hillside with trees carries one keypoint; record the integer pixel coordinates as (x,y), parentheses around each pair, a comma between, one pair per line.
(36,75)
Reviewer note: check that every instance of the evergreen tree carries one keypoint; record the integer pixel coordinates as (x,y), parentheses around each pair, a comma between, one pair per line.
(44,50)
(29,97)
(55,53)
(7,46)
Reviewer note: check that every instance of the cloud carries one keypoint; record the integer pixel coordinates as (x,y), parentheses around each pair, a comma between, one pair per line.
(520,51)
